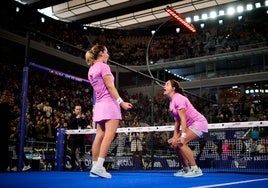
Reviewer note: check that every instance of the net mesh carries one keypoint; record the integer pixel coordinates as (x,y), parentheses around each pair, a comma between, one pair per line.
(221,149)
(224,150)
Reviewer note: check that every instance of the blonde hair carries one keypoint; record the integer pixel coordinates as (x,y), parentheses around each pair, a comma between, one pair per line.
(92,54)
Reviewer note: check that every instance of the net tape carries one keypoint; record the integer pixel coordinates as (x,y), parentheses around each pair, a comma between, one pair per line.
(232,125)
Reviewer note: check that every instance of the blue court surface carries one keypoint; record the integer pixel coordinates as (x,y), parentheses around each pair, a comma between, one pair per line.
(129,179)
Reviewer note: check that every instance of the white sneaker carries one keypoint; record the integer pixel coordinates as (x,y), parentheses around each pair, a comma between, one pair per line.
(92,175)
(100,171)
(193,173)
(180,173)
(14,169)
(25,168)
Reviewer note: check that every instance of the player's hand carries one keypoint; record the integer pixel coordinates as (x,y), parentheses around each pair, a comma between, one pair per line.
(174,141)
(171,140)
(126,105)
(181,140)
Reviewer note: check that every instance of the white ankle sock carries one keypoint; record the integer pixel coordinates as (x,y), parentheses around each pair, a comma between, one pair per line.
(194,167)
(100,162)
(94,162)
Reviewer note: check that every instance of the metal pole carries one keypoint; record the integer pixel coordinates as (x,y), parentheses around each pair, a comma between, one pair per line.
(23,106)
(60,146)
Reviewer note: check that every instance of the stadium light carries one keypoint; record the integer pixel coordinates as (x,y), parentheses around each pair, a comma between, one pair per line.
(179,18)
(249,6)
(240,9)
(213,14)
(204,16)
(221,13)
(188,19)
(258,5)
(230,11)
(196,18)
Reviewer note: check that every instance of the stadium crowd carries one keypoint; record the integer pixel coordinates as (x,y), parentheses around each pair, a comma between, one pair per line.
(129,47)
(51,100)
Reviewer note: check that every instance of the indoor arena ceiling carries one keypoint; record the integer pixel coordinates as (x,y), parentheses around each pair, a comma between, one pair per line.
(122,14)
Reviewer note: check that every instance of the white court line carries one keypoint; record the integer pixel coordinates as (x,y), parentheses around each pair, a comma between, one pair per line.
(231,183)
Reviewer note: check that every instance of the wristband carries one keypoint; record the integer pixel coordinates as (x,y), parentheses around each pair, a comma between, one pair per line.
(119,100)
(183,135)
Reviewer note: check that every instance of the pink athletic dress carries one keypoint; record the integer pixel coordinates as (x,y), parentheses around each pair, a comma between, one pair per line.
(105,107)
(194,119)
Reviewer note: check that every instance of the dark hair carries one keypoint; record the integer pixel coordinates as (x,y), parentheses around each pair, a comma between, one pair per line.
(77,104)
(178,88)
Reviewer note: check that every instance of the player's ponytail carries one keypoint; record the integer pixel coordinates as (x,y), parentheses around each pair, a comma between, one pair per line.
(92,54)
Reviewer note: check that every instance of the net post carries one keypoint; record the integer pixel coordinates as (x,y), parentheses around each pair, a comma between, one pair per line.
(24,91)
(23,117)
(60,143)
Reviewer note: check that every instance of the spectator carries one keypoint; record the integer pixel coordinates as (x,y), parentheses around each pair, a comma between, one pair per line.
(136,148)
(251,145)
(26,163)
(255,133)
(261,146)
(6,117)
(47,109)
(226,147)
(76,142)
